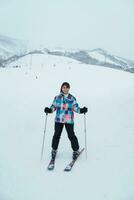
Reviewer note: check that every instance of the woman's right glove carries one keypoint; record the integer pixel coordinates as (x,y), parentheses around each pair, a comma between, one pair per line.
(83,110)
(47,110)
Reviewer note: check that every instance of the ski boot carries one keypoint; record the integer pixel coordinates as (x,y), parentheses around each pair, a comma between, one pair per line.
(75,154)
(53,154)
(52,161)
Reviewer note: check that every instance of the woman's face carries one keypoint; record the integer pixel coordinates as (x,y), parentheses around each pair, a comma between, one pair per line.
(65,90)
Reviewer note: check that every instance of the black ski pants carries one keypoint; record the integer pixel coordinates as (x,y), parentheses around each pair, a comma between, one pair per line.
(71,135)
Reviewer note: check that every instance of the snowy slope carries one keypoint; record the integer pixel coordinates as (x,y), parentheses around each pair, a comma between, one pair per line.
(108,172)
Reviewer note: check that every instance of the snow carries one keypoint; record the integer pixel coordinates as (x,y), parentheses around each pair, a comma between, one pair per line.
(109,96)
(96,55)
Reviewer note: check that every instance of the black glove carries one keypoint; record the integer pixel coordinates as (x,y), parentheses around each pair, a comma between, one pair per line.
(48,110)
(83,110)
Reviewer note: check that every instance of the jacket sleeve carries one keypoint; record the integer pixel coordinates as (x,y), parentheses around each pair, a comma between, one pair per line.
(76,107)
(54,105)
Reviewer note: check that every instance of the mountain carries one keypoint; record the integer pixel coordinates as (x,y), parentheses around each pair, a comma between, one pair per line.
(107,174)
(12,50)
(10,47)
(95,57)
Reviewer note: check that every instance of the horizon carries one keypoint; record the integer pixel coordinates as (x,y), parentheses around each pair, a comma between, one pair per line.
(52,48)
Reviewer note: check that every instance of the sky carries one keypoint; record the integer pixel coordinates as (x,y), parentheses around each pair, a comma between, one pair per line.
(83,24)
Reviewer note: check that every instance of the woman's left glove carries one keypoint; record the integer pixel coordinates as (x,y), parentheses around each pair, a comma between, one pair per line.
(83,110)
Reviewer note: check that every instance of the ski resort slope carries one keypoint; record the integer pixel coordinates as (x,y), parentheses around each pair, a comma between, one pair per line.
(109,96)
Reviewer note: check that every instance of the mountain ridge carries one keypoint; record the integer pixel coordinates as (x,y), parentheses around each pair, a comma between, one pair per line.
(12,49)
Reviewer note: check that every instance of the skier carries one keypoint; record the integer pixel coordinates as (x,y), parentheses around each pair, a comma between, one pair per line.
(65,104)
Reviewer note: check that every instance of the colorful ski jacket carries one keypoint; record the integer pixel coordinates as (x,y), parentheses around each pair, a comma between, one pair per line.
(65,107)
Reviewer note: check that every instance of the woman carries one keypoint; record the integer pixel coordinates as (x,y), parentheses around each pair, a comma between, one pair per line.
(65,105)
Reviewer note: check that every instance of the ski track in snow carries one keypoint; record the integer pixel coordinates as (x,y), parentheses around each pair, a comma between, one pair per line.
(109,96)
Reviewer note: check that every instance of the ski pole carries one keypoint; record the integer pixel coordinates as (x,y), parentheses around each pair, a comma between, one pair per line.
(42,151)
(85,135)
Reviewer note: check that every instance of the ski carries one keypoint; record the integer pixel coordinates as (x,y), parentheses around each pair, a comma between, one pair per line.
(51,164)
(71,164)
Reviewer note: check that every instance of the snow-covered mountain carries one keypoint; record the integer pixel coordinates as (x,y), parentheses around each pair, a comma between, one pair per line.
(95,57)
(108,94)
(10,47)
(12,50)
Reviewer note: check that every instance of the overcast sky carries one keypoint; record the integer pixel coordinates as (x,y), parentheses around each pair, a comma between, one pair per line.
(87,24)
